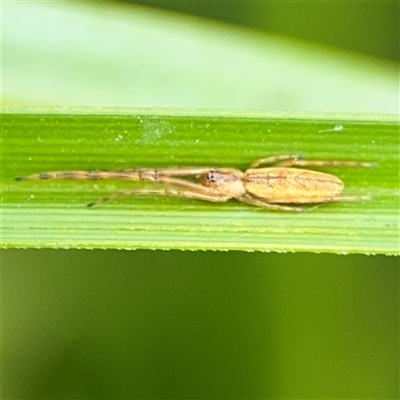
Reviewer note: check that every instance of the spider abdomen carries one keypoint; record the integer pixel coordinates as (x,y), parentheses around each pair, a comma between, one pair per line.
(292,185)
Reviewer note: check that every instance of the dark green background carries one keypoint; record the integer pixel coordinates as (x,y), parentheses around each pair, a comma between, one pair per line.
(115,324)
(118,324)
(369,27)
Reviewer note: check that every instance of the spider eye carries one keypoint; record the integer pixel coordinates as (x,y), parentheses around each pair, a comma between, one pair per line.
(211,177)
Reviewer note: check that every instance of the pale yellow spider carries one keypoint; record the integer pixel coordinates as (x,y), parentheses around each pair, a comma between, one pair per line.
(271,187)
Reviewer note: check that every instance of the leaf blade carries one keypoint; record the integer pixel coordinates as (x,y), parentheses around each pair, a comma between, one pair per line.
(53,213)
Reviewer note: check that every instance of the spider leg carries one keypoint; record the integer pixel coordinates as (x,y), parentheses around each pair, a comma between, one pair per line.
(78,175)
(264,204)
(153,176)
(295,160)
(347,198)
(174,171)
(324,163)
(189,194)
(319,199)
(274,160)
(133,174)
(278,207)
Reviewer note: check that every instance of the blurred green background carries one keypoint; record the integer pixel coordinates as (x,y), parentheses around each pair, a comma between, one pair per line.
(142,324)
(116,324)
(368,27)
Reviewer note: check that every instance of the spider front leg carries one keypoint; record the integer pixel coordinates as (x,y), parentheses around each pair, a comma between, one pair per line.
(189,194)
(190,189)
(173,171)
(155,177)
(130,174)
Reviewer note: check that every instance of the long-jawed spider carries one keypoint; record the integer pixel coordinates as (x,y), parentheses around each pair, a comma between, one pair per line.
(285,181)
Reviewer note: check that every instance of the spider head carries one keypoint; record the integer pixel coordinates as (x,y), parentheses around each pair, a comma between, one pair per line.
(226,181)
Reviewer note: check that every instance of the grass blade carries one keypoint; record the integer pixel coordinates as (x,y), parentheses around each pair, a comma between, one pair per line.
(52,214)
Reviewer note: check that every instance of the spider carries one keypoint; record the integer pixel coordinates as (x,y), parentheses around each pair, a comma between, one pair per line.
(283,182)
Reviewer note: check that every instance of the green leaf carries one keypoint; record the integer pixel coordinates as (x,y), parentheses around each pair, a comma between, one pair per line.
(54,214)
(106,54)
